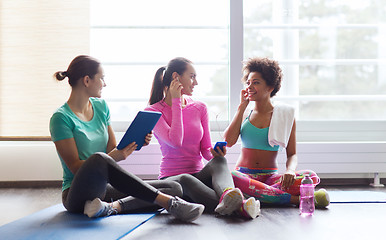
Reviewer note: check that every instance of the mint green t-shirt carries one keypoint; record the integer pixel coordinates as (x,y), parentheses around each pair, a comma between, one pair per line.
(90,136)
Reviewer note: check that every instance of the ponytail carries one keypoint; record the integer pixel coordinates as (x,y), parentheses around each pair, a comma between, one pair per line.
(157,91)
(162,80)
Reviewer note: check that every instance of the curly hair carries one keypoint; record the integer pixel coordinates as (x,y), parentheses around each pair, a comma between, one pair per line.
(269,70)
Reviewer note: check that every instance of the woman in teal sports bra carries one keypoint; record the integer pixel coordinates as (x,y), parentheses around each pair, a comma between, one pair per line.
(261,132)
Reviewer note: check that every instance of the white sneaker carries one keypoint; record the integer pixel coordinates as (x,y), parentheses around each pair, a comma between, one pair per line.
(250,208)
(230,201)
(97,208)
(184,210)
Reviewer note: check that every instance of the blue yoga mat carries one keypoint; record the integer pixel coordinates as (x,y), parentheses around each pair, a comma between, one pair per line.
(56,223)
(357,197)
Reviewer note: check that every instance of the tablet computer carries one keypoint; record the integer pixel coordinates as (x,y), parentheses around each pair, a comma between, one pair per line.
(142,124)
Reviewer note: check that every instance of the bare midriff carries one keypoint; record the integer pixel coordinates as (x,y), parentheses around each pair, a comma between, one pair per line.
(256,158)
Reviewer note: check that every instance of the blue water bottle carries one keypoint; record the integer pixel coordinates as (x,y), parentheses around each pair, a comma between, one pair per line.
(307,204)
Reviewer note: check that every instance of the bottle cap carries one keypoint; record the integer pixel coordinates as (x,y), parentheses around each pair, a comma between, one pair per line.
(307,180)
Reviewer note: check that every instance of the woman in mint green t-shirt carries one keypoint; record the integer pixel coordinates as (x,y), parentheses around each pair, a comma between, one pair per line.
(86,146)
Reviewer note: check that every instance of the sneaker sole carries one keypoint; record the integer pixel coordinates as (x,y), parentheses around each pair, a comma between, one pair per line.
(252,208)
(185,211)
(91,207)
(200,211)
(232,201)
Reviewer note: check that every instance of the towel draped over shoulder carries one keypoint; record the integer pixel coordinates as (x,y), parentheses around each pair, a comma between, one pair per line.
(281,125)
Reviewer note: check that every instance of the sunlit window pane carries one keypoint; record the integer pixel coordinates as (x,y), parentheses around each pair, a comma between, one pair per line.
(342,110)
(163,13)
(332,54)
(159,45)
(329,12)
(342,80)
(134,38)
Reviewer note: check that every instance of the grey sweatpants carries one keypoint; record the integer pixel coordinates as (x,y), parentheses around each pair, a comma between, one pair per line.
(207,185)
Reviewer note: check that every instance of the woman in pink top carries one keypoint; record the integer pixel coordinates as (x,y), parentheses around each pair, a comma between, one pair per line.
(184,138)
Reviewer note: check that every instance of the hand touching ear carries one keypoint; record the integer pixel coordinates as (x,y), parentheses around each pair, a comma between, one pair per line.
(175,88)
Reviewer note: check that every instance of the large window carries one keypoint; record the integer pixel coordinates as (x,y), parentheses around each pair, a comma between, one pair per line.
(134,38)
(332,54)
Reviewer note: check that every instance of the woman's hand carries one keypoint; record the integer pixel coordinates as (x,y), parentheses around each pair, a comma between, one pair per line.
(122,154)
(148,138)
(244,100)
(220,153)
(288,179)
(175,88)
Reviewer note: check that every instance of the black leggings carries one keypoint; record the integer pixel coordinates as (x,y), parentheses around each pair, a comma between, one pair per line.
(101,177)
(207,185)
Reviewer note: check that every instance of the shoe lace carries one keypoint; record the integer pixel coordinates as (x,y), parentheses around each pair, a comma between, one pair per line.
(173,203)
(176,202)
(110,210)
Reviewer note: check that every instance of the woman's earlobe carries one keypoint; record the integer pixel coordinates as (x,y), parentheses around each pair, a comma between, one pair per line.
(175,75)
(86,80)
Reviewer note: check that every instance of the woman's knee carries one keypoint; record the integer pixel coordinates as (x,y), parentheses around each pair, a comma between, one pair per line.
(172,188)
(219,161)
(315,178)
(99,158)
(240,179)
(187,179)
(236,174)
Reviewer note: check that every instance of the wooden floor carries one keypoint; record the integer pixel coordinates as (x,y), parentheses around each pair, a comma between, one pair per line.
(339,221)
(16,203)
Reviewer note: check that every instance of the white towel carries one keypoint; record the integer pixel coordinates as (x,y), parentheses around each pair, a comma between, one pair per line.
(281,125)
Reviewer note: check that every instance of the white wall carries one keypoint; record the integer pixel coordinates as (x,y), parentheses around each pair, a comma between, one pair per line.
(29,161)
(38,161)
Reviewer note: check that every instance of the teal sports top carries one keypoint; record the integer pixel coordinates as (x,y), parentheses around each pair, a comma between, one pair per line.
(90,136)
(255,138)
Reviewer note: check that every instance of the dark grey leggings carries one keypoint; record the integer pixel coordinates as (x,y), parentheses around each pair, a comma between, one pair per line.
(207,185)
(101,177)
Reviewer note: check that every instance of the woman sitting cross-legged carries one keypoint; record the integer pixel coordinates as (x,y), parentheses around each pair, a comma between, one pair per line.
(183,134)
(263,131)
